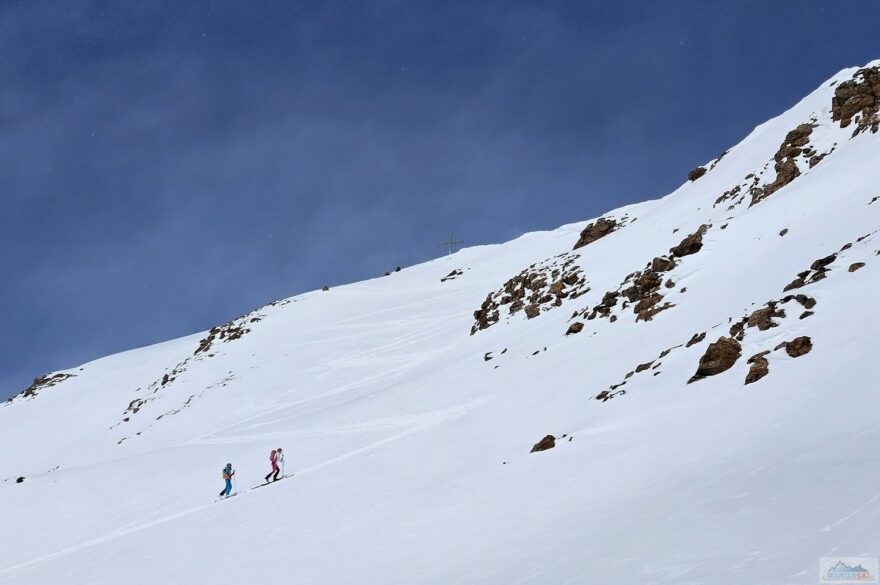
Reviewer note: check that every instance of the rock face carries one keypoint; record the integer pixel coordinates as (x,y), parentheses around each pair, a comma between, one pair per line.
(696,173)
(697,338)
(760,367)
(799,346)
(538,288)
(719,357)
(691,244)
(575,327)
(859,99)
(596,230)
(547,442)
(763,318)
(40,384)
(786,164)
(230,331)
(817,272)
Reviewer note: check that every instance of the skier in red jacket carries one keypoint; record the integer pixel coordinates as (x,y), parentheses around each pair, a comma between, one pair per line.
(276,457)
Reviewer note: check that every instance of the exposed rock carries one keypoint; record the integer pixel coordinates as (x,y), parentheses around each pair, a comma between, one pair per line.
(691,244)
(41,383)
(596,230)
(487,356)
(325,288)
(855,266)
(536,289)
(134,406)
(763,318)
(662,264)
(642,367)
(738,329)
(19,479)
(452,275)
(696,173)
(575,327)
(227,332)
(806,314)
(859,96)
(786,166)
(697,338)
(817,272)
(783,232)
(760,367)
(799,346)
(547,442)
(719,357)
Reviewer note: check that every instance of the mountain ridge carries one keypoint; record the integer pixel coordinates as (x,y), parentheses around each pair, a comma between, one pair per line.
(670,356)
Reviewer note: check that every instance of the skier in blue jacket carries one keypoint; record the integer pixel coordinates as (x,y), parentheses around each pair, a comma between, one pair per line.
(227,476)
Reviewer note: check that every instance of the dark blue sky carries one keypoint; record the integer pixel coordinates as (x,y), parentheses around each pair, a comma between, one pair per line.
(166,166)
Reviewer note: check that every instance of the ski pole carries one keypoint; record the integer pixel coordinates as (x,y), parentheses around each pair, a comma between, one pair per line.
(234,485)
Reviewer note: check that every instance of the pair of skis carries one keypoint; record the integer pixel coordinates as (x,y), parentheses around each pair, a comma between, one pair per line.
(232,495)
(271,482)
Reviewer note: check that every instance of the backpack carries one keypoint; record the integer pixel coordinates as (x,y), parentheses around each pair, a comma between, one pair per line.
(273,455)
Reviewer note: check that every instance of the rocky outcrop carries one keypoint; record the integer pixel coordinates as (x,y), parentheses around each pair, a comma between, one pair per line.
(697,338)
(40,384)
(641,289)
(538,288)
(691,244)
(596,230)
(760,367)
(799,346)
(786,161)
(452,275)
(817,272)
(547,442)
(575,327)
(858,100)
(696,173)
(855,266)
(719,357)
(231,331)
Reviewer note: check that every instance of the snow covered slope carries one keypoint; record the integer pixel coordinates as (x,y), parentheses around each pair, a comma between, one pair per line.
(408,405)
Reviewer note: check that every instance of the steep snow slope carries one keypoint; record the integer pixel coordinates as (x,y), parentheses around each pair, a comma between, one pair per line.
(408,419)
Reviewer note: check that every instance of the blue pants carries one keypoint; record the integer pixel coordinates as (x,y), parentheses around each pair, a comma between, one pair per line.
(226,491)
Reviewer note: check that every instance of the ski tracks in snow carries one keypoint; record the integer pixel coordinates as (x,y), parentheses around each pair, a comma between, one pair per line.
(406,424)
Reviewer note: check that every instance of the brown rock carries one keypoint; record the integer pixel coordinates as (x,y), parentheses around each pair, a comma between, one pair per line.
(786,167)
(532,311)
(662,264)
(642,367)
(697,338)
(575,327)
(760,368)
(858,98)
(691,244)
(719,357)
(547,442)
(799,346)
(783,232)
(696,173)
(855,266)
(596,230)
(763,318)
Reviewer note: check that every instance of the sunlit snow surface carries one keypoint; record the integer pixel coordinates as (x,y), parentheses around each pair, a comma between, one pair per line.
(411,451)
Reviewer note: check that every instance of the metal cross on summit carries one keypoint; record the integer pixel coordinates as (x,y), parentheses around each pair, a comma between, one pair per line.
(451,243)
